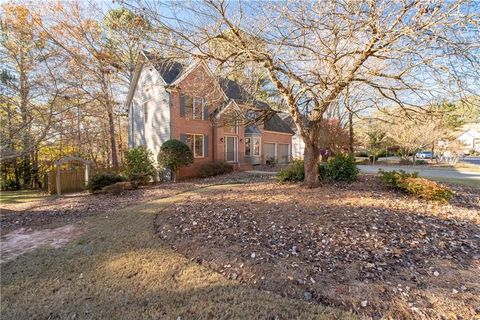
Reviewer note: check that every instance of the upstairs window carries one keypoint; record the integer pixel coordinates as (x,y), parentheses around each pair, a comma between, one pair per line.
(194,108)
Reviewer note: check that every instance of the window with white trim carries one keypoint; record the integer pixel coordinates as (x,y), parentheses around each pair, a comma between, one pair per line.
(195,142)
(194,107)
(256,146)
(252,147)
(248,146)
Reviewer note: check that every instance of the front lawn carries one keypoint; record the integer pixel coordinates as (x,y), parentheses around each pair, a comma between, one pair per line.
(256,250)
(22,196)
(117,268)
(358,247)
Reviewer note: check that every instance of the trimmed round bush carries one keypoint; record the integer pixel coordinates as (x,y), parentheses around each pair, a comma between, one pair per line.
(427,189)
(294,172)
(418,187)
(340,168)
(173,155)
(394,179)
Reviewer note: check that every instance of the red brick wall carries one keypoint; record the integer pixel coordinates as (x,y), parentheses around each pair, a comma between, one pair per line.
(199,83)
(275,137)
(196,85)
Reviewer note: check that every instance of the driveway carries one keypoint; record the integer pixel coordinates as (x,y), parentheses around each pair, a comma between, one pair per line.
(425,172)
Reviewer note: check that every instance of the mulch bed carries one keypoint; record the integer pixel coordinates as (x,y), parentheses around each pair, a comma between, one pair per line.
(359,246)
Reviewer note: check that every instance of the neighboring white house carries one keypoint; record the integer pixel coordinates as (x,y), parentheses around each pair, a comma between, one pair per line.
(471,139)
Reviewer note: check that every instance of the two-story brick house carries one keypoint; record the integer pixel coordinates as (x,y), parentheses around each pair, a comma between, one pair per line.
(167,100)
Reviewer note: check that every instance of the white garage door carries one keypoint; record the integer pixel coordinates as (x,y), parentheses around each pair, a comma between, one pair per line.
(268,151)
(282,153)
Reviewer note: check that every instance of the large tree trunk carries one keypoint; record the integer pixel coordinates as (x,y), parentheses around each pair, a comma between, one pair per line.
(311,154)
(350,136)
(120,140)
(111,118)
(26,141)
(36,184)
(113,143)
(12,147)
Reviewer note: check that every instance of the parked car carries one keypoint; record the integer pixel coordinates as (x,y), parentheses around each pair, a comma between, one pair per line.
(423,155)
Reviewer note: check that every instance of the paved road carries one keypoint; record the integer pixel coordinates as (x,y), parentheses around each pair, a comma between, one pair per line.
(472,160)
(425,172)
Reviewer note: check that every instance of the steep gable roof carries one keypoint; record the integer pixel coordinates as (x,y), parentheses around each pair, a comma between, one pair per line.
(235,91)
(472,133)
(173,72)
(272,122)
(169,69)
(277,124)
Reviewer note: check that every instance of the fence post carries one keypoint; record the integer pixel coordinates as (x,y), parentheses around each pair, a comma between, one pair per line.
(57,176)
(87,173)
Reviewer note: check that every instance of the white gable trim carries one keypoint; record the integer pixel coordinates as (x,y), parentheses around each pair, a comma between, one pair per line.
(142,62)
(230,104)
(133,84)
(194,66)
(185,73)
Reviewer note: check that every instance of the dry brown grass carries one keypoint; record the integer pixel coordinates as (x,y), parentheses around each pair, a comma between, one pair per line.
(119,269)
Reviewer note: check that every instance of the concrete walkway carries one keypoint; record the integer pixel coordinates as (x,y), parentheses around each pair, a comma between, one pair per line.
(272,173)
(425,172)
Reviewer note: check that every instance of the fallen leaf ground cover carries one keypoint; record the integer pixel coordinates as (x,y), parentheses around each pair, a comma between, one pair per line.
(360,247)
(117,268)
(41,209)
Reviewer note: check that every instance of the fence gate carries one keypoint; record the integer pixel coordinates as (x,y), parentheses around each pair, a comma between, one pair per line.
(70,181)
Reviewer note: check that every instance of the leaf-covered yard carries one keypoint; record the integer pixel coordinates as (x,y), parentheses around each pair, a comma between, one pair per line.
(360,248)
(252,249)
(115,267)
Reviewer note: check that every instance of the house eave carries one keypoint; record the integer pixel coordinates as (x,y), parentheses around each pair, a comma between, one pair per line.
(277,132)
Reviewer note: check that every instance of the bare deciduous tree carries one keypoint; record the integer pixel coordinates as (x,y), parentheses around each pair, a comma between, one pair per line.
(403,52)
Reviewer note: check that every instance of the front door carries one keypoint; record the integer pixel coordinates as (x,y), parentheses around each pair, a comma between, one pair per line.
(231,148)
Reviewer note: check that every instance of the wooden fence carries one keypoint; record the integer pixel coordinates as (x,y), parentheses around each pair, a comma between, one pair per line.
(70,181)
